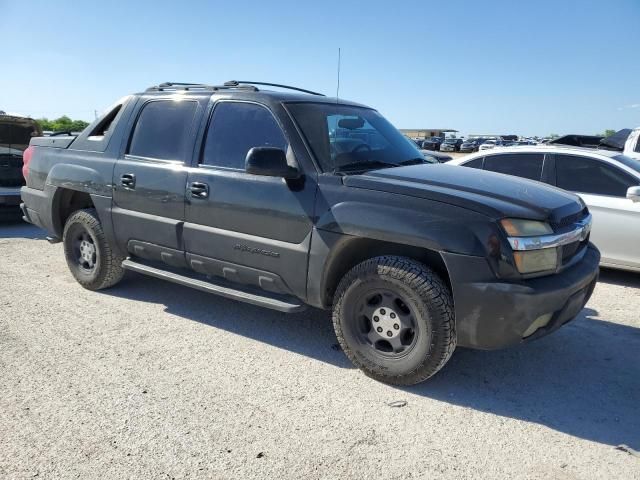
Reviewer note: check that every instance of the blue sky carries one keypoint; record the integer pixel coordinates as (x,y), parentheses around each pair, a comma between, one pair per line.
(484,67)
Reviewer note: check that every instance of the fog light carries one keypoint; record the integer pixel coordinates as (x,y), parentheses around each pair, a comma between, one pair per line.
(531,261)
(539,322)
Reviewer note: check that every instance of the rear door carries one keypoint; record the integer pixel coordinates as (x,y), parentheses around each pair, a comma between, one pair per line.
(247,228)
(616,219)
(150,178)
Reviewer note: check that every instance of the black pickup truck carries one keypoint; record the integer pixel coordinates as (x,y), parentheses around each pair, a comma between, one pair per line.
(287,199)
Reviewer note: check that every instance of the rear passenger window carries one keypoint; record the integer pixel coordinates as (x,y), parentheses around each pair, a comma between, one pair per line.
(162,130)
(475,163)
(525,165)
(102,129)
(236,128)
(587,175)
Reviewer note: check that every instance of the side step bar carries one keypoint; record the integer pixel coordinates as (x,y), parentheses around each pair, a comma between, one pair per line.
(282,305)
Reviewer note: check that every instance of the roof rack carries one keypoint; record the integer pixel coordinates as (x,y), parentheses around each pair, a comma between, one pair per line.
(231,84)
(196,86)
(239,83)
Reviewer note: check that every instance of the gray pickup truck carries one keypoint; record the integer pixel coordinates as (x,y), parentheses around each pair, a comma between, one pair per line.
(288,199)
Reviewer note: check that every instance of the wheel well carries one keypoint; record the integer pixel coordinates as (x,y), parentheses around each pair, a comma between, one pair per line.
(67,202)
(351,252)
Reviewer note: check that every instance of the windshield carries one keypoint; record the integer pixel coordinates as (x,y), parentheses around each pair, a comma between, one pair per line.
(451,140)
(341,136)
(629,162)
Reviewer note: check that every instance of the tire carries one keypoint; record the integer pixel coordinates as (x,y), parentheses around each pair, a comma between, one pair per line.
(93,263)
(393,289)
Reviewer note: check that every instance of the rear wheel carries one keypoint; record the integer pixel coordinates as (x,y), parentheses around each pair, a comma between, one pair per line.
(89,257)
(394,319)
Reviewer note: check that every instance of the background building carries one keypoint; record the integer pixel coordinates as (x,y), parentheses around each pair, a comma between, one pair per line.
(427,132)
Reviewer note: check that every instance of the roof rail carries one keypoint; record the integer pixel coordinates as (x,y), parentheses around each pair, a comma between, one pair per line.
(195,86)
(240,83)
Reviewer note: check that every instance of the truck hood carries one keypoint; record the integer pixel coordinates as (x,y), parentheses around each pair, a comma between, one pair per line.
(492,194)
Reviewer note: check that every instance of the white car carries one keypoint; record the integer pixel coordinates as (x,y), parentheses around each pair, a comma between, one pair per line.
(608,182)
(488,145)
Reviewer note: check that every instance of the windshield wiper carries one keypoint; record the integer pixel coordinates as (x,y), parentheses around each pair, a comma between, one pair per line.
(414,161)
(364,165)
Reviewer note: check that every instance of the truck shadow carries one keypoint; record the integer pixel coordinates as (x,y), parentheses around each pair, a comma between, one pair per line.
(19,229)
(308,333)
(583,380)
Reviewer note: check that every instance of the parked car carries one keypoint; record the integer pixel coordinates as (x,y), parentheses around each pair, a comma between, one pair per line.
(489,144)
(295,199)
(432,143)
(626,141)
(417,142)
(577,140)
(632,145)
(471,145)
(451,145)
(15,134)
(608,182)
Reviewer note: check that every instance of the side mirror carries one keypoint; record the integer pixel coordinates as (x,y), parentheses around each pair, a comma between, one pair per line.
(633,194)
(269,162)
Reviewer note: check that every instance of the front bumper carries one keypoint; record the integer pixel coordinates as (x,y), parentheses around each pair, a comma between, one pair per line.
(491,313)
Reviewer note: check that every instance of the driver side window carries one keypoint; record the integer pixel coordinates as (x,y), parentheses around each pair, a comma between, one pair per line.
(234,129)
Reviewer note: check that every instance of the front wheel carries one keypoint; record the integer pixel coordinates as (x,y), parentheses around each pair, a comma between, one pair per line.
(394,319)
(89,256)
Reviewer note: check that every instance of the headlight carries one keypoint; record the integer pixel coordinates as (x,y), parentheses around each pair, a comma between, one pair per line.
(516,227)
(533,261)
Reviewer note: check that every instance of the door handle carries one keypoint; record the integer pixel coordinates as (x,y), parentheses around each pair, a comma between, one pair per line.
(199,190)
(128,180)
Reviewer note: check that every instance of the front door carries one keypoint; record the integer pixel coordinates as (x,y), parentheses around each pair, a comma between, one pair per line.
(150,178)
(247,228)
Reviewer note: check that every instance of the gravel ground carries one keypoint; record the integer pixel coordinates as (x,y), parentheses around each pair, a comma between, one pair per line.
(154,380)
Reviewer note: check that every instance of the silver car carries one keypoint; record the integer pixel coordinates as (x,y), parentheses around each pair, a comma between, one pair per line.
(608,182)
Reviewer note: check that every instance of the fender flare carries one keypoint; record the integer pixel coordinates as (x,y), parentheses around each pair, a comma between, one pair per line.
(426,233)
(448,228)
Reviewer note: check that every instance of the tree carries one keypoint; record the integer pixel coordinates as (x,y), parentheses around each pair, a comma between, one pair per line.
(608,133)
(62,124)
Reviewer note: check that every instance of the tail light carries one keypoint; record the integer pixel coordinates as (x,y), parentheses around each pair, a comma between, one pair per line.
(26,158)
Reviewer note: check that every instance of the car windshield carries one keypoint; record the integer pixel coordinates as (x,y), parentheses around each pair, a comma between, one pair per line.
(451,140)
(629,162)
(344,137)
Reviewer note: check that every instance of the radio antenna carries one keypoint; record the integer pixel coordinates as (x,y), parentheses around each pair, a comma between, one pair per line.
(338,87)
